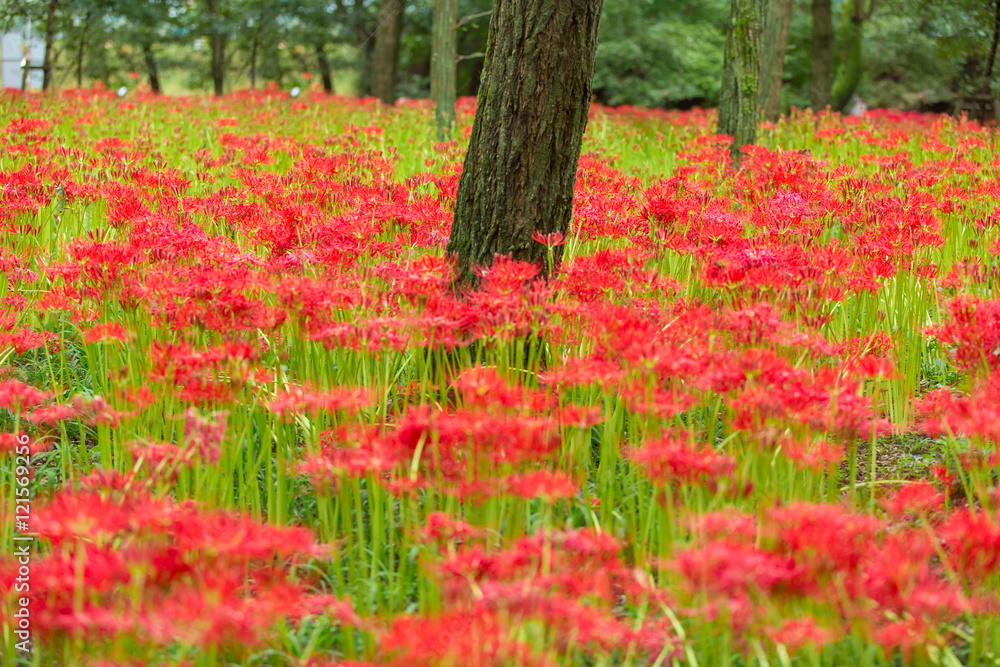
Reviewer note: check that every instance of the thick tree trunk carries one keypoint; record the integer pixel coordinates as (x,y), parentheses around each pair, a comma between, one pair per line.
(821,77)
(386,57)
(520,168)
(444,54)
(218,43)
(50,35)
(324,68)
(777,18)
(151,67)
(738,100)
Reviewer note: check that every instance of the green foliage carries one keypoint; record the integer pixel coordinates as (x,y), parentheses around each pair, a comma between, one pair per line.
(922,53)
(906,67)
(659,53)
(916,54)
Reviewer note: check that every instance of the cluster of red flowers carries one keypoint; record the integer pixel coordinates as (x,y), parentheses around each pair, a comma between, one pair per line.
(655,447)
(125,563)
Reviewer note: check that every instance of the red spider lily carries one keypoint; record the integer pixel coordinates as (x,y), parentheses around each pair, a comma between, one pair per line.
(549,486)
(920,498)
(166,572)
(13,443)
(484,388)
(736,570)
(795,634)
(550,240)
(724,524)
(675,458)
(301,400)
(580,372)
(55,413)
(441,526)
(974,329)
(811,454)
(474,638)
(824,538)
(16,396)
(976,416)
(205,433)
(972,541)
(162,457)
(107,332)
(23,340)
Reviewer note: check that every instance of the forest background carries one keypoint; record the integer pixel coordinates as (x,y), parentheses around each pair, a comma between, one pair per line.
(922,55)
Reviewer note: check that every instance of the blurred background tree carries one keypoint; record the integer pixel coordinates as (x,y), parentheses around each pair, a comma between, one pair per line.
(934,55)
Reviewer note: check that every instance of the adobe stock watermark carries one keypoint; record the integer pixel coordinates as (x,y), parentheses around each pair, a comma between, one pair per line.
(23,542)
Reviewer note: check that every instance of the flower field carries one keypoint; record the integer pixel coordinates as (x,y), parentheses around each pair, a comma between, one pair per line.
(753,419)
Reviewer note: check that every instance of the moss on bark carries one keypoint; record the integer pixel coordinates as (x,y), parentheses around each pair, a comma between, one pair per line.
(738,110)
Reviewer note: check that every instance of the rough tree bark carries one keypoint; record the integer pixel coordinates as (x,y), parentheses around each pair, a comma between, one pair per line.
(152,69)
(386,56)
(324,68)
(50,36)
(738,100)
(520,168)
(821,76)
(444,54)
(852,66)
(218,43)
(777,18)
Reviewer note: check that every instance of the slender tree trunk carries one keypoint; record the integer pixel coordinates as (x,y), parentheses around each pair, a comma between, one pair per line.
(218,43)
(777,18)
(520,168)
(386,57)
(852,67)
(253,57)
(151,67)
(993,46)
(324,68)
(738,100)
(80,48)
(987,83)
(50,35)
(821,77)
(444,55)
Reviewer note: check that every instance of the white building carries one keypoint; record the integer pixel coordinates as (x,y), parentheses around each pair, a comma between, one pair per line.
(14,55)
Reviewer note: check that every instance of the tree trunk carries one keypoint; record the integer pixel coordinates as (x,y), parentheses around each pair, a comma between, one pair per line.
(253,57)
(821,76)
(444,54)
(852,66)
(740,76)
(386,57)
(79,50)
(993,46)
(324,68)
(218,48)
(50,35)
(151,67)
(772,58)
(520,168)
